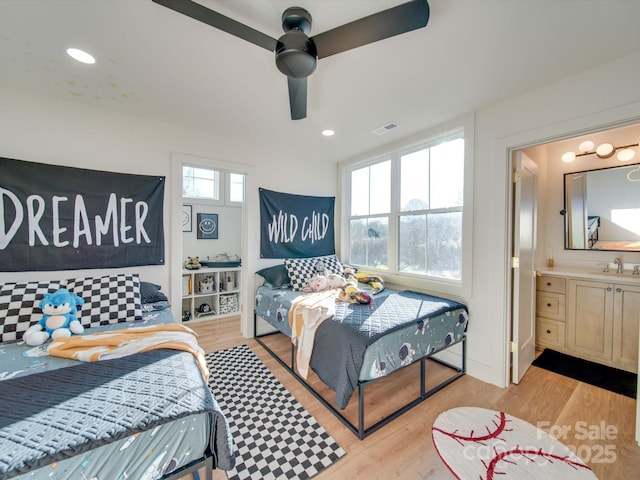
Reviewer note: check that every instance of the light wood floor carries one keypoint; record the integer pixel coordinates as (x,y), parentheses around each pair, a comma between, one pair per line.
(404,448)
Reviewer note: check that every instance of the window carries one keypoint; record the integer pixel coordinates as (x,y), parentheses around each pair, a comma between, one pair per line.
(200,183)
(236,188)
(207,184)
(430,216)
(405,212)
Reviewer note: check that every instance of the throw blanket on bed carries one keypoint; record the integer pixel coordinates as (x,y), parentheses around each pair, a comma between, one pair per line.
(50,416)
(127,341)
(305,316)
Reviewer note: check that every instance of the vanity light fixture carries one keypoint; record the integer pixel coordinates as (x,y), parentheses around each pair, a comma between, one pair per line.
(604,150)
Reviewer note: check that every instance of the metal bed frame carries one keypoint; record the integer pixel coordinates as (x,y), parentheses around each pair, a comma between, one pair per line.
(192,468)
(360,429)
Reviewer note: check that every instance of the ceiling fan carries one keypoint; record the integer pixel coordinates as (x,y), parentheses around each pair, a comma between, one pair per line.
(297,53)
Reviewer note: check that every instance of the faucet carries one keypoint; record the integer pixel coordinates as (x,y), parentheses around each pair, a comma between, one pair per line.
(618,262)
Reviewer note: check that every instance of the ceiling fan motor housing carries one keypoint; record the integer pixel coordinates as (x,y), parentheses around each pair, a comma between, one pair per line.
(296,54)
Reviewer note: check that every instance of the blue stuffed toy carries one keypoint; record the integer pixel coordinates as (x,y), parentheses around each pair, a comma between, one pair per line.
(60,310)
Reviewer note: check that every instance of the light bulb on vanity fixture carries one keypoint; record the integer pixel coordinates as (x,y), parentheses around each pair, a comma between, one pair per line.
(604,150)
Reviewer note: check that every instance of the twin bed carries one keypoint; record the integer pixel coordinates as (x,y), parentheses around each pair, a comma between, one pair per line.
(359,344)
(146,415)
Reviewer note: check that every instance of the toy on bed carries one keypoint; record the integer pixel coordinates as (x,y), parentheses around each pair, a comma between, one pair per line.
(353,294)
(60,310)
(320,282)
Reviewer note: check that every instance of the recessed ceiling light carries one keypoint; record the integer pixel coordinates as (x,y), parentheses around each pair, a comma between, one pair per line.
(81,56)
(328,132)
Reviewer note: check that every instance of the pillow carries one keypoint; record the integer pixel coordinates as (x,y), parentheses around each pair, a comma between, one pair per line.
(150,293)
(276,276)
(109,299)
(152,307)
(302,269)
(17,311)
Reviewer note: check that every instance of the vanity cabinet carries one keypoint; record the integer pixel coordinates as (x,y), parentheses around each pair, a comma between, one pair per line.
(602,322)
(550,312)
(590,319)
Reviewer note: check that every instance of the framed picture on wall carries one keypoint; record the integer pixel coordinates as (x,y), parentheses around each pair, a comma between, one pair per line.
(207,226)
(186,218)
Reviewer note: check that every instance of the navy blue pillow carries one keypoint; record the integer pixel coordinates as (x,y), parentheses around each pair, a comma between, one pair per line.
(150,293)
(276,276)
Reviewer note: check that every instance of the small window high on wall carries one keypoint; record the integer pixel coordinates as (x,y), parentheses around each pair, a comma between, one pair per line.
(198,182)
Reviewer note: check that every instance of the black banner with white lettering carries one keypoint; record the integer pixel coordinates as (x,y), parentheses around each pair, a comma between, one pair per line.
(295,226)
(64,218)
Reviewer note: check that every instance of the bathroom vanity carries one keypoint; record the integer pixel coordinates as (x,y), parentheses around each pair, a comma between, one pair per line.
(589,314)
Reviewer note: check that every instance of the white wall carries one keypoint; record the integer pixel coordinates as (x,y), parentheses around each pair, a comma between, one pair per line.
(229,239)
(41,129)
(600,96)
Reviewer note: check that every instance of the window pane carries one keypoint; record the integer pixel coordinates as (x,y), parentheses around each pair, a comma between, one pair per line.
(444,245)
(447,174)
(360,191)
(414,178)
(358,241)
(380,188)
(371,189)
(200,183)
(377,242)
(413,244)
(369,240)
(236,187)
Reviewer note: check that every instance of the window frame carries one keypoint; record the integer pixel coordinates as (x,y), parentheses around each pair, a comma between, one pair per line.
(464,128)
(223,178)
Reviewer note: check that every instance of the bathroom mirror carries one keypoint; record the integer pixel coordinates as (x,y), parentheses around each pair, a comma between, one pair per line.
(602,209)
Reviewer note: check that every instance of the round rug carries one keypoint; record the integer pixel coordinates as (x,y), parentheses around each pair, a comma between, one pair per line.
(476,443)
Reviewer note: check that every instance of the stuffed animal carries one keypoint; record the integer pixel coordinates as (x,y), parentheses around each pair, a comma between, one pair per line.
(192,263)
(374,282)
(320,283)
(60,310)
(351,281)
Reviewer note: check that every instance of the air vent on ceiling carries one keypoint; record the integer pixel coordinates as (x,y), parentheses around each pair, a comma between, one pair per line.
(385,128)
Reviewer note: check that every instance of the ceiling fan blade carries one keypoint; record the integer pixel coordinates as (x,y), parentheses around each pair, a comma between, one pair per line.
(298,97)
(219,21)
(388,23)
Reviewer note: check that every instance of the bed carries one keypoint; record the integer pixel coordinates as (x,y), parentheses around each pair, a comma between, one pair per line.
(146,415)
(593,224)
(360,344)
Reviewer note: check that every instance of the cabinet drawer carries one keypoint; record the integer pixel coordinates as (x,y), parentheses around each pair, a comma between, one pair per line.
(546,283)
(550,305)
(550,333)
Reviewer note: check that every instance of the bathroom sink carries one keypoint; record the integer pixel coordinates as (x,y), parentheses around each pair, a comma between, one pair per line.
(626,274)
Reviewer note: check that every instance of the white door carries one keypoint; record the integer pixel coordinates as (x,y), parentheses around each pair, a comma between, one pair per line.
(524,276)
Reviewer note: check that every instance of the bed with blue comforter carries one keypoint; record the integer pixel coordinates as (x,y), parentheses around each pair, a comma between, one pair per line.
(363,343)
(146,415)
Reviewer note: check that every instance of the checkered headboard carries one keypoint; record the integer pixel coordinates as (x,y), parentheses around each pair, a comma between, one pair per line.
(17,311)
(302,269)
(110,299)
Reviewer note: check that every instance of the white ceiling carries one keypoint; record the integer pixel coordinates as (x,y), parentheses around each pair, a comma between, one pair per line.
(157,63)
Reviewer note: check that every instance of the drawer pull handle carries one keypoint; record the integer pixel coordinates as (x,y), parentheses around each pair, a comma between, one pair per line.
(548,331)
(549,305)
(609,289)
(548,284)
(618,289)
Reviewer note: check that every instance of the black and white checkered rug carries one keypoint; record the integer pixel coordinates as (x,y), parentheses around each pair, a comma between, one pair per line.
(274,435)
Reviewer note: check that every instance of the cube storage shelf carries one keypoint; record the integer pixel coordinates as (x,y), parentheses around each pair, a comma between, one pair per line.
(210,293)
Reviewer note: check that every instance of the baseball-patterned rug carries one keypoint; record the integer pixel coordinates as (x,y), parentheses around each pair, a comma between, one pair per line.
(485,444)
(274,435)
